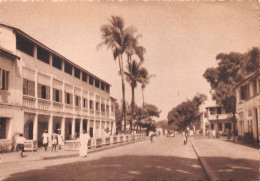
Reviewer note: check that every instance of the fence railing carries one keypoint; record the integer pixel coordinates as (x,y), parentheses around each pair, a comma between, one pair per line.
(105,141)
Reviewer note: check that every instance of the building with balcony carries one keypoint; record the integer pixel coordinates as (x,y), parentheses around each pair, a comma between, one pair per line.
(42,90)
(248,106)
(214,117)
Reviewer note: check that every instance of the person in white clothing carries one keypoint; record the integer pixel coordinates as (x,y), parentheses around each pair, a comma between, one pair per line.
(45,139)
(20,144)
(84,137)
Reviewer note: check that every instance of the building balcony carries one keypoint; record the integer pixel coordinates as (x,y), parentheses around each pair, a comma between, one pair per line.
(69,108)
(29,102)
(103,114)
(77,110)
(97,113)
(44,104)
(91,112)
(57,106)
(217,117)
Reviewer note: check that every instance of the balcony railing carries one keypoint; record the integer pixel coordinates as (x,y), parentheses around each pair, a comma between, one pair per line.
(91,112)
(44,104)
(57,106)
(29,101)
(69,108)
(97,113)
(102,114)
(77,110)
(218,116)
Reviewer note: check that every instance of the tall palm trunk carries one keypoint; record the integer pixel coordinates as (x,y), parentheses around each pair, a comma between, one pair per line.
(123,90)
(143,94)
(133,107)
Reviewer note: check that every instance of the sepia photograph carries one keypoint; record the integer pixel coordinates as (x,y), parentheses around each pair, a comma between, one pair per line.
(129,90)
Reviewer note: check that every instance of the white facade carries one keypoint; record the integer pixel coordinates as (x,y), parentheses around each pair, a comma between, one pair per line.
(214,117)
(248,106)
(46,91)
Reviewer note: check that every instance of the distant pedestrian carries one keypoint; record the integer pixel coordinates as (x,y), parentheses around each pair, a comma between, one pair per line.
(151,136)
(186,135)
(184,138)
(45,139)
(20,144)
(60,140)
(54,141)
(84,137)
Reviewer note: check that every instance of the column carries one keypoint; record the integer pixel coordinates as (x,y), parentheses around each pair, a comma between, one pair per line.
(114,128)
(100,128)
(63,95)
(223,126)
(73,128)
(50,128)
(81,126)
(94,129)
(51,92)
(88,126)
(36,87)
(63,127)
(35,129)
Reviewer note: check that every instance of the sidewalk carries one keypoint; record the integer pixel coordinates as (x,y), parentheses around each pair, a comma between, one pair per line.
(40,154)
(223,160)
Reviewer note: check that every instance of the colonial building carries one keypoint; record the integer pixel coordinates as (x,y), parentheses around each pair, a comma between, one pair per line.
(248,106)
(42,90)
(214,117)
(218,119)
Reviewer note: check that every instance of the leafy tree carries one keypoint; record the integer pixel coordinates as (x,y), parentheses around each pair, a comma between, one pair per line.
(186,113)
(119,39)
(231,69)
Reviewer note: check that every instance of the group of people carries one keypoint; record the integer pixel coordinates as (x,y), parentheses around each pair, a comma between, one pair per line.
(55,139)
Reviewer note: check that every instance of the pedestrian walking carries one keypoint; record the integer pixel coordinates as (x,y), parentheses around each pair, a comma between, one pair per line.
(184,138)
(186,135)
(20,144)
(45,139)
(84,137)
(151,136)
(60,140)
(54,141)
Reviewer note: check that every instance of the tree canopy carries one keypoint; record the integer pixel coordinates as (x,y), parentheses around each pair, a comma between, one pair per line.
(186,113)
(231,69)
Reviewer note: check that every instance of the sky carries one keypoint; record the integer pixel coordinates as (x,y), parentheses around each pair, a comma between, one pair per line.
(181,39)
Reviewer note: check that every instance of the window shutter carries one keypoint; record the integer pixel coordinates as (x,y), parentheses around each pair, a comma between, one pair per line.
(25,85)
(54,94)
(39,91)
(1,79)
(32,83)
(60,96)
(7,80)
(48,92)
(71,99)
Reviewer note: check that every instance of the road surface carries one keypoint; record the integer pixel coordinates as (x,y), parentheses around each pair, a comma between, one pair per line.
(165,159)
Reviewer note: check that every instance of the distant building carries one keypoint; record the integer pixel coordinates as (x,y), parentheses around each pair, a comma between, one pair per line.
(42,90)
(248,106)
(214,117)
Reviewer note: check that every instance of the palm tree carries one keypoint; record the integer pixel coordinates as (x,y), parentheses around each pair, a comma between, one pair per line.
(133,76)
(145,80)
(119,39)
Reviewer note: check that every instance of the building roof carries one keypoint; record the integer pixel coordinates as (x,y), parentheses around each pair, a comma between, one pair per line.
(249,77)
(8,54)
(50,50)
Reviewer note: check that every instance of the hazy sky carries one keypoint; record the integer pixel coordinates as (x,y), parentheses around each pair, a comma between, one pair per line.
(182,39)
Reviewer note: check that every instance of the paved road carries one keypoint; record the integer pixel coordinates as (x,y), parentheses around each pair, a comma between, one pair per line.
(164,159)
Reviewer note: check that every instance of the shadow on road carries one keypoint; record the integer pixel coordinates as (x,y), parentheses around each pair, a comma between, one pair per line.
(145,168)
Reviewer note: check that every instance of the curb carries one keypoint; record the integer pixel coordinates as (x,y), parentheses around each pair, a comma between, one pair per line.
(207,168)
(93,150)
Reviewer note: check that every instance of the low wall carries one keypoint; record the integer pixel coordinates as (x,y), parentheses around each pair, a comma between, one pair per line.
(105,141)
